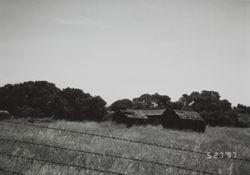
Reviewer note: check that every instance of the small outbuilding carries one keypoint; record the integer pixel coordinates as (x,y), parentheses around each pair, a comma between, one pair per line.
(184,120)
(154,116)
(130,117)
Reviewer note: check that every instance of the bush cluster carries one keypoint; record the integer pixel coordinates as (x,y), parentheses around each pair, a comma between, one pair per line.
(44,99)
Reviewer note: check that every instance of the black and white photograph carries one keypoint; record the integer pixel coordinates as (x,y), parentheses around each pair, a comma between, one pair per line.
(124,87)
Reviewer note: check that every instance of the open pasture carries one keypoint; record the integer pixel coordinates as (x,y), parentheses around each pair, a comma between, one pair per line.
(63,147)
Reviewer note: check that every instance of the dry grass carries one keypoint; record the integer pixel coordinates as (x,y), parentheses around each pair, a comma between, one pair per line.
(214,139)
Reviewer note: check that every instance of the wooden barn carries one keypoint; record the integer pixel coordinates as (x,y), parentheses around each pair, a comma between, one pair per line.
(168,118)
(140,117)
(184,120)
(130,117)
(154,116)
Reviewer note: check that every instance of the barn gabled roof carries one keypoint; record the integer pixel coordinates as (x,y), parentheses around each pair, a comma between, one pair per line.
(190,115)
(142,113)
(134,114)
(153,112)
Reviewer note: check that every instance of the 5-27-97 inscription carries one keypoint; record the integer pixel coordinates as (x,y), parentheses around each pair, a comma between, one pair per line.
(221,155)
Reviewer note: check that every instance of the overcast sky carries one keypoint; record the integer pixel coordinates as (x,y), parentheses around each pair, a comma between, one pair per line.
(124,48)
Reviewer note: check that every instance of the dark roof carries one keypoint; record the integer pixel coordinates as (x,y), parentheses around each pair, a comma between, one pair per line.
(145,113)
(142,113)
(153,112)
(190,115)
(148,112)
(134,114)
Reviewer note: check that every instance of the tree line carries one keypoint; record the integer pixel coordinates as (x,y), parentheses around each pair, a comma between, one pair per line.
(43,99)
(214,110)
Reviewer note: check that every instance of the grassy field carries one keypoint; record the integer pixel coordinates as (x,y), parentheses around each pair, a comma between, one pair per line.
(215,139)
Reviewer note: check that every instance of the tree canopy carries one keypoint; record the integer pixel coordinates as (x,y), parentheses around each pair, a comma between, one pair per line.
(208,103)
(154,101)
(214,110)
(242,109)
(121,104)
(44,99)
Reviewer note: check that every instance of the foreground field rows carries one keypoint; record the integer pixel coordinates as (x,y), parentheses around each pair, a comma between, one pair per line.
(40,150)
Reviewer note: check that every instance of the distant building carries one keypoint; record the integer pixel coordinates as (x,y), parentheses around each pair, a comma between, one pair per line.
(244,120)
(168,118)
(130,117)
(184,120)
(153,117)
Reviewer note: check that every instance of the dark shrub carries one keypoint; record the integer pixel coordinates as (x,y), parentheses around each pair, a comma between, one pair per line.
(154,101)
(216,112)
(44,99)
(121,105)
(36,99)
(77,105)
